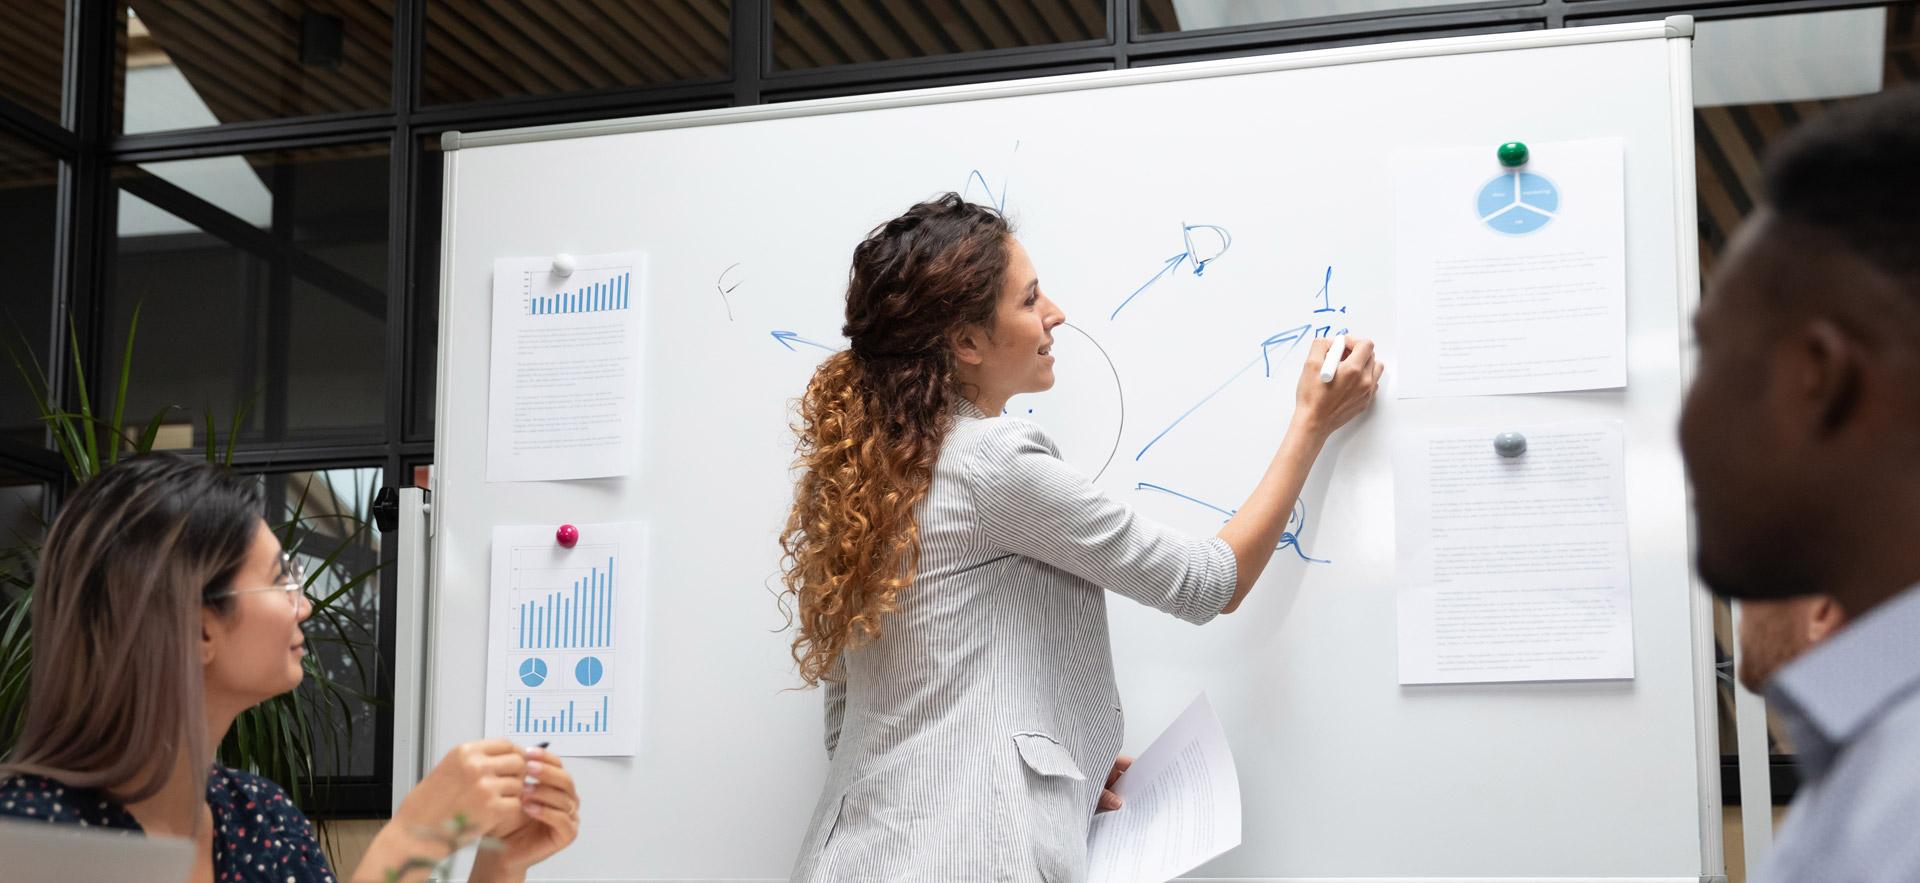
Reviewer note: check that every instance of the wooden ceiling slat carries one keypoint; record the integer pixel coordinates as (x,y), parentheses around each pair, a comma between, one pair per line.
(449,55)
(812,52)
(374,53)
(714,56)
(990,24)
(1024,21)
(493,43)
(1093,16)
(172,25)
(226,63)
(664,36)
(634,42)
(718,14)
(366,50)
(960,30)
(592,29)
(456,71)
(578,68)
(878,28)
(1158,17)
(1719,125)
(1059,20)
(301,90)
(925,40)
(557,74)
(843,35)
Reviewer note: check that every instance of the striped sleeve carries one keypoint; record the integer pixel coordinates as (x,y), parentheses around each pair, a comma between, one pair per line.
(836,709)
(1032,503)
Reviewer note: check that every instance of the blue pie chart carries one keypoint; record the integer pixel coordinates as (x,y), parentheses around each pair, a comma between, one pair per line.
(589,671)
(1517,203)
(533,671)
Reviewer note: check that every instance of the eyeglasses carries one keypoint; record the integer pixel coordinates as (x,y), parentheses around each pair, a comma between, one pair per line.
(292,581)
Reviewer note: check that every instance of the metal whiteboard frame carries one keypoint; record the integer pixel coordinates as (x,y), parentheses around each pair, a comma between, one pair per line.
(419,567)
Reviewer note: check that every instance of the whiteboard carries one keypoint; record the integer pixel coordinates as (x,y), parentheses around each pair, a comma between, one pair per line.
(748,217)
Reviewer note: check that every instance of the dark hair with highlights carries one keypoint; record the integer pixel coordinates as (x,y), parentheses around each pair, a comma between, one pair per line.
(116,691)
(873,418)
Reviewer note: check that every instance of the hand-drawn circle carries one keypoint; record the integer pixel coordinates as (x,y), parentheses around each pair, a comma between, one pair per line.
(1120,393)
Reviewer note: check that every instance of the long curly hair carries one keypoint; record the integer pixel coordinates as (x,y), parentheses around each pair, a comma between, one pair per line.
(873,418)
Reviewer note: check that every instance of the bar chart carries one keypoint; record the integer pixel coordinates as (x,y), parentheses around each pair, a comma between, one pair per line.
(562,637)
(529,714)
(568,616)
(614,292)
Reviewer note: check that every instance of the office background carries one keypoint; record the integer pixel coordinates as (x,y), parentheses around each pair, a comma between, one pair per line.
(260,180)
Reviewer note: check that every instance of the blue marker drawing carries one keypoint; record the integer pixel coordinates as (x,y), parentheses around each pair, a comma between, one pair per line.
(1289,538)
(1291,336)
(1326,295)
(999,202)
(1173,263)
(789,338)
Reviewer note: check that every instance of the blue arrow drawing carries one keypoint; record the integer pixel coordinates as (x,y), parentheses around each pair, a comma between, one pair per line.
(789,338)
(1288,539)
(1173,263)
(1291,337)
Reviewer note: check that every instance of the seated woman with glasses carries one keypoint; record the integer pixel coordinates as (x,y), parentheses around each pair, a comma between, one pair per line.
(164,608)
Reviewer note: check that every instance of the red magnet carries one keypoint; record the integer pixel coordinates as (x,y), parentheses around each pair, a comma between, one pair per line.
(567,535)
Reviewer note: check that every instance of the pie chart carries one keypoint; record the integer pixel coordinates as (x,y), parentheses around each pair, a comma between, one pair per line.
(1517,203)
(533,671)
(589,671)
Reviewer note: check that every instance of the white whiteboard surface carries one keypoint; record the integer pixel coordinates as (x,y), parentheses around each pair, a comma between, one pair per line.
(1345,774)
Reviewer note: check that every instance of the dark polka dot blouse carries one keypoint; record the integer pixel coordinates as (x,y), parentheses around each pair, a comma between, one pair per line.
(258,835)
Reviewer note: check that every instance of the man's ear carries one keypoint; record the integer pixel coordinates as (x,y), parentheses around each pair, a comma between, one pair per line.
(1824,618)
(1825,377)
(967,343)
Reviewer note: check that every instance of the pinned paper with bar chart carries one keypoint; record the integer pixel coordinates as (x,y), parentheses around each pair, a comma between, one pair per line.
(563,652)
(563,384)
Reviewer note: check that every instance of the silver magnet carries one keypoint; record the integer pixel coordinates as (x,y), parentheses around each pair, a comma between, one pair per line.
(1510,444)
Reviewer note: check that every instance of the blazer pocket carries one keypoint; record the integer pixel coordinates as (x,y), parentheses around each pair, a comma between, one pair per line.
(1045,755)
(1056,813)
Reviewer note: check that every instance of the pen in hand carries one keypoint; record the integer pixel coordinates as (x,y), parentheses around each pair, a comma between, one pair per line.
(1332,363)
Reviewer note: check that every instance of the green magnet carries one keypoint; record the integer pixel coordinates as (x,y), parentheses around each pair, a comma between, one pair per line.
(1510,444)
(1513,154)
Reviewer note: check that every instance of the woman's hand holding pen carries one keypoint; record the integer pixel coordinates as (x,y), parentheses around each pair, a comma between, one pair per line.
(549,820)
(1320,407)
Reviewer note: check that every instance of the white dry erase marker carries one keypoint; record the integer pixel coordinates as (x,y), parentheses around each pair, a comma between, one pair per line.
(1332,362)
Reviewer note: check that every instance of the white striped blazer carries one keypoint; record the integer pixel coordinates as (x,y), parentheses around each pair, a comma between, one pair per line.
(970,741)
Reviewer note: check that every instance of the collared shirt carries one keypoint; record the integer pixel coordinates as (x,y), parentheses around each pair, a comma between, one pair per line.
(1852,709)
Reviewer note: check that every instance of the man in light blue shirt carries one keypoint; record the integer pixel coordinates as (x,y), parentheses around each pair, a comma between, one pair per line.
(1802,438)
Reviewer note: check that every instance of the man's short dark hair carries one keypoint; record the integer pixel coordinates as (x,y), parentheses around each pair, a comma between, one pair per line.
(1854,172)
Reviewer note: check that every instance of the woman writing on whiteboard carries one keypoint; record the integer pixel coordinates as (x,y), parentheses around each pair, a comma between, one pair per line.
(946,568)
(162,609)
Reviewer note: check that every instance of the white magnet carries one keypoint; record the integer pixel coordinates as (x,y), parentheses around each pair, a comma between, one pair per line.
(563,264)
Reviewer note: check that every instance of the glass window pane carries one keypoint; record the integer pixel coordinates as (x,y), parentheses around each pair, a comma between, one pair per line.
(22,525)
(481,49)
(819,33)
(28,202)
(1168,16)
(261,280)
(424,329)
(325,519)
(191,63)
(1756,78)
(33,55)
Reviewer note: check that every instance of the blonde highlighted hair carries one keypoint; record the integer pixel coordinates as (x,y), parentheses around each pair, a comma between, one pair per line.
(872,420)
